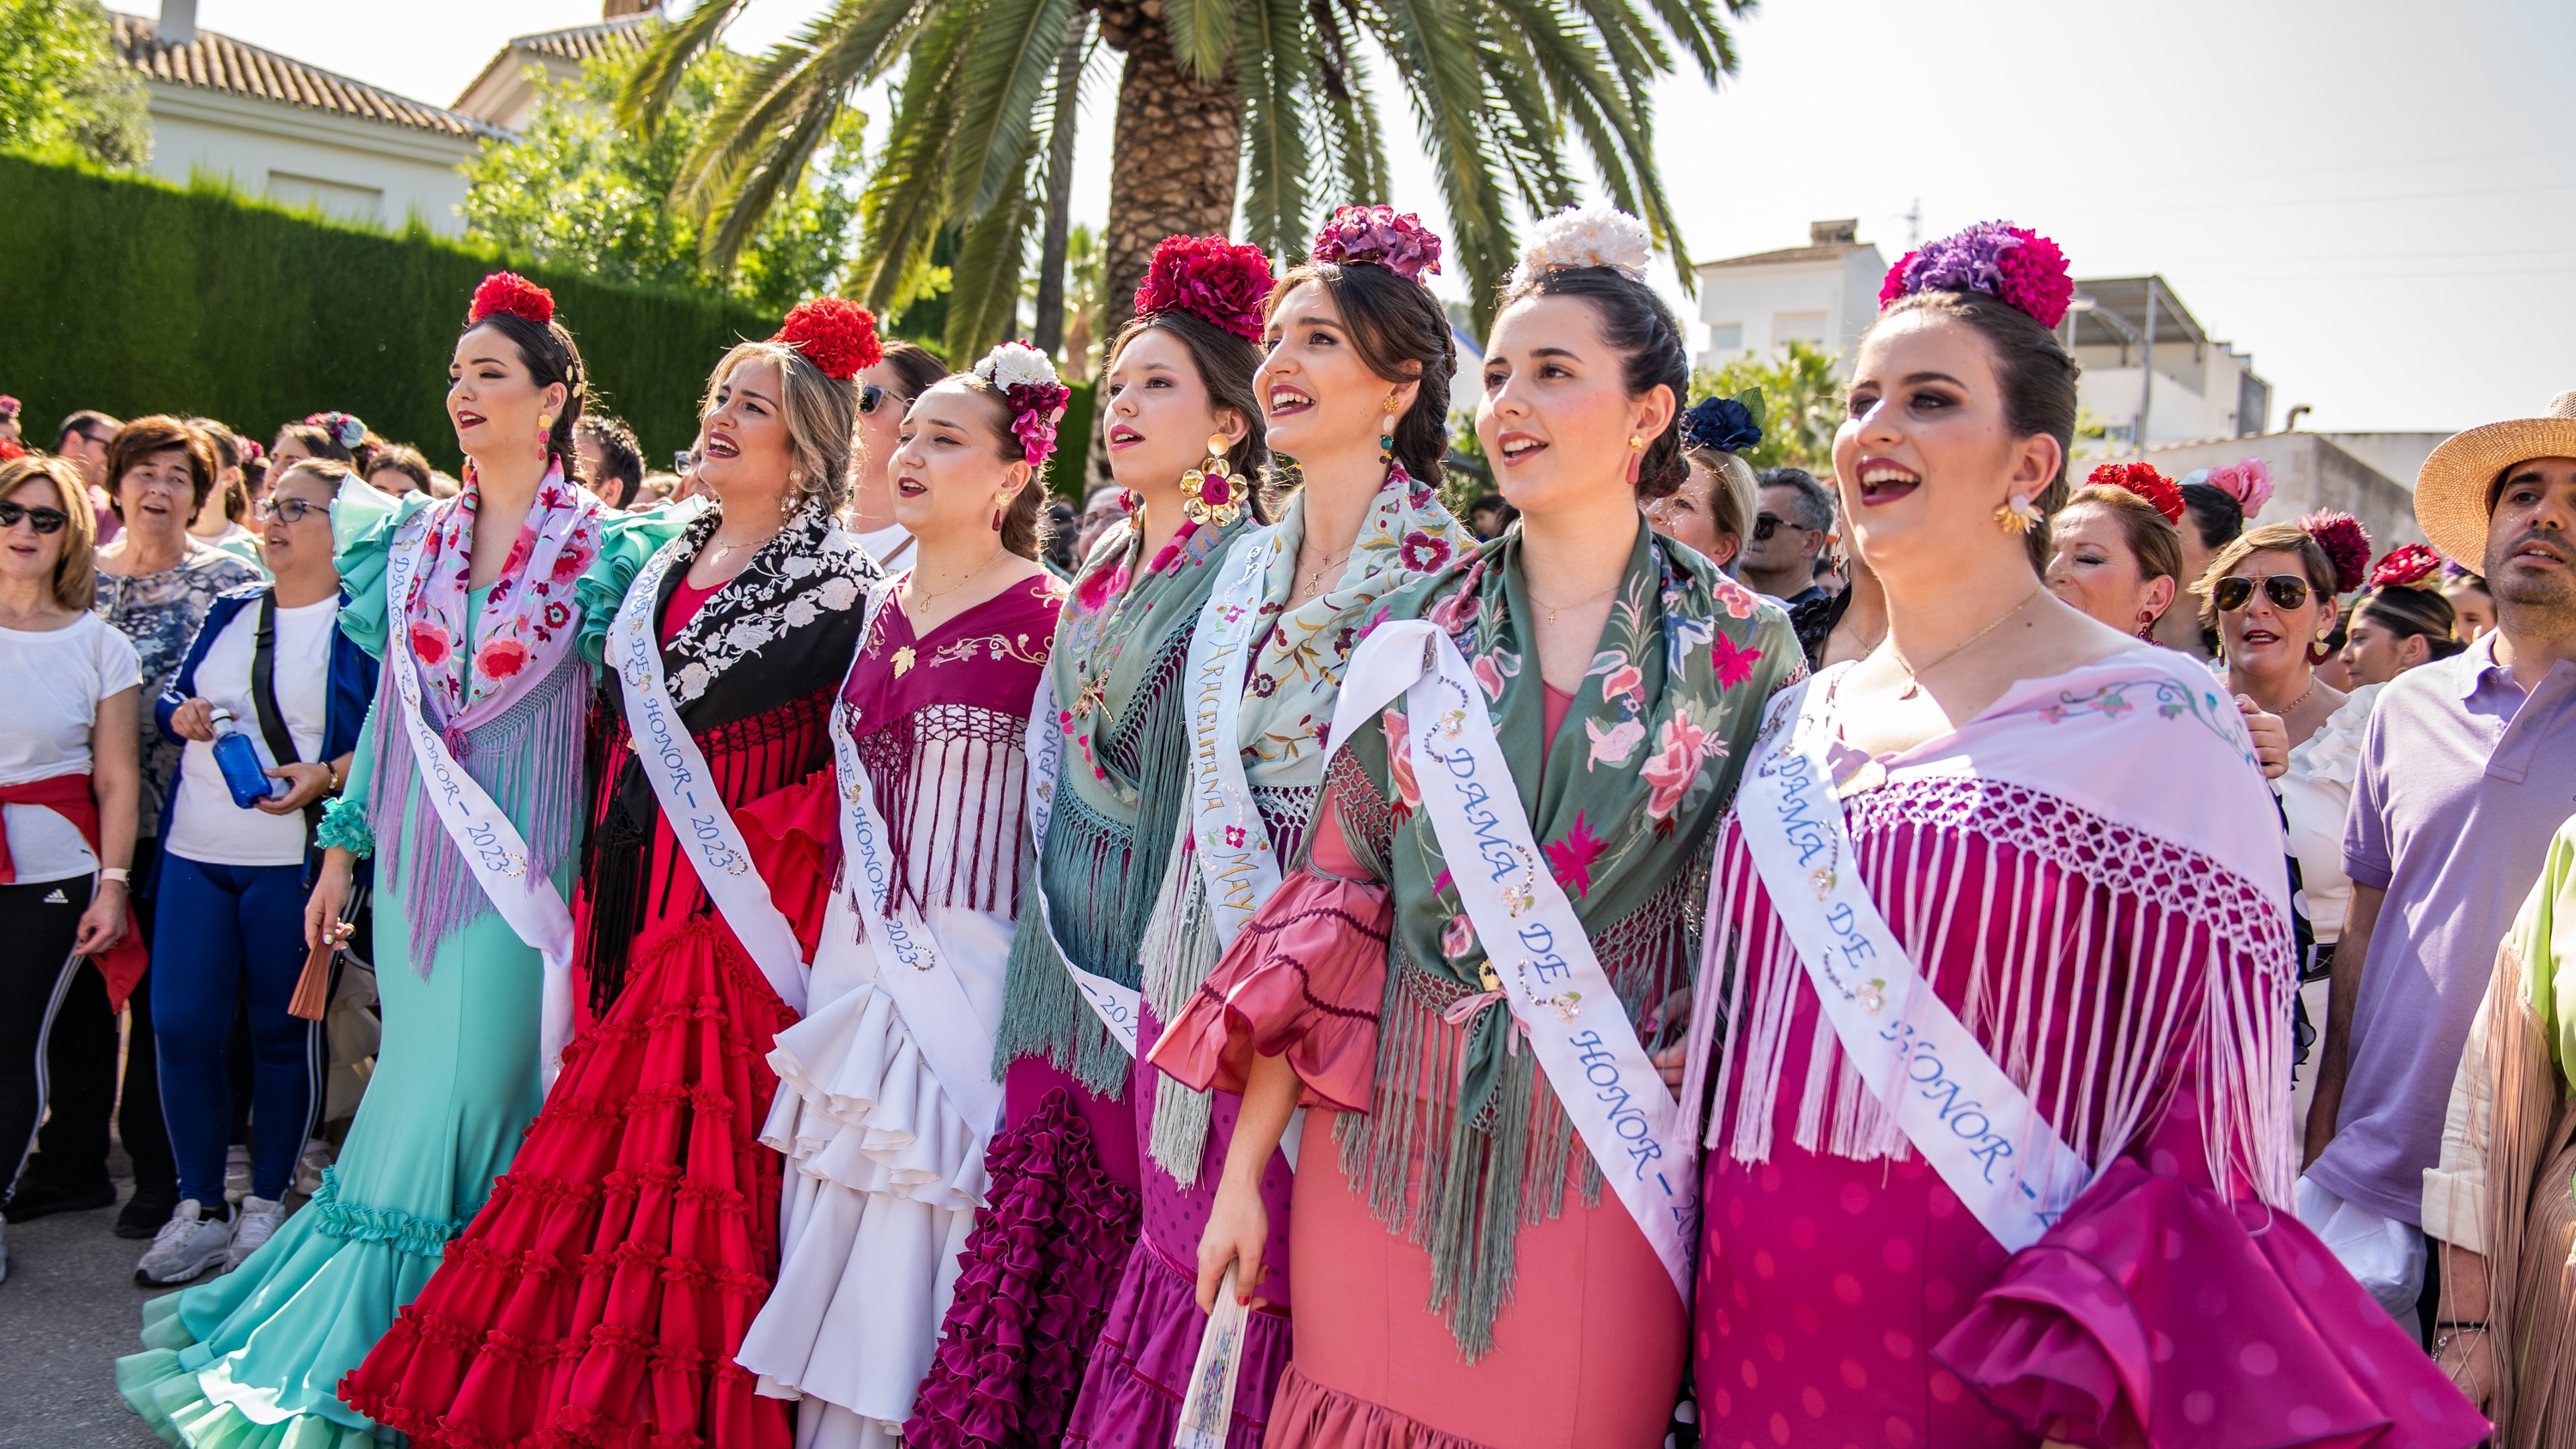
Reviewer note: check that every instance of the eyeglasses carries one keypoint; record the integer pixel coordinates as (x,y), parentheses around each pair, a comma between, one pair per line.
(293,510)
(171,487)
(42,520)
(872,397)
(2286,591)
(683,460)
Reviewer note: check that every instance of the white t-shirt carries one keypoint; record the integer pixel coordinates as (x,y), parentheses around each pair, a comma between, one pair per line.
(890,546)
(205,825)
(54,683)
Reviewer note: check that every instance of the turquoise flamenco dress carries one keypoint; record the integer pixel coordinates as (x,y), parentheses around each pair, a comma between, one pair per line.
(252,1359)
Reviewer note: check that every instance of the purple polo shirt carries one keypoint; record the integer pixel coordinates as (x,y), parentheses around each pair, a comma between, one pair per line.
(2463,781)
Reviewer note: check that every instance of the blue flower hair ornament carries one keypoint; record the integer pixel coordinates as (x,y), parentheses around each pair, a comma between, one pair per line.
(1728,424)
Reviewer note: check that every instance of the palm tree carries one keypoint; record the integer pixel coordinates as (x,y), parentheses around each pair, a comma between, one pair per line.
(1274,92)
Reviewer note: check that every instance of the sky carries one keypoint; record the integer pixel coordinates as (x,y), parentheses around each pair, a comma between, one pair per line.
(2376,201)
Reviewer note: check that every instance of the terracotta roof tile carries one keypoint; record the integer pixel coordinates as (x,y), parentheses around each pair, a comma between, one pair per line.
(220,63)
(588,42)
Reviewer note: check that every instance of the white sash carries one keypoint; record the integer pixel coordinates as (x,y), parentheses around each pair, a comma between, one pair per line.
(1557,991)
(934,1005)
(1959,1109)
(1120,1008)
(686,788)
(1233,846)
(491,845)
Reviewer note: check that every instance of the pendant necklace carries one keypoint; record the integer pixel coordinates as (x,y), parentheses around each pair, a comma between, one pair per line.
(1914,676)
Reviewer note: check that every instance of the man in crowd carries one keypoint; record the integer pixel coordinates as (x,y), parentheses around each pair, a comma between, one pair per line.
(83,438)
(1789,528)
(2468,768)
(612,463)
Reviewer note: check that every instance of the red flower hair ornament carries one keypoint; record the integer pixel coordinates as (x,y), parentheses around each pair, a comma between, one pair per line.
(2409,567)
(835,334)
(2143,480)
(1215,280)
(2347,546)
(509,292)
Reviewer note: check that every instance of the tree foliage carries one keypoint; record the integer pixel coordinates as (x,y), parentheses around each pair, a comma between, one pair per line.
(1802,398)
(62,91)
(577,190)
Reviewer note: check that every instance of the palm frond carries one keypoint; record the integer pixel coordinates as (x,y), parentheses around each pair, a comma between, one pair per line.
(1435,53)
(1355,139)
(1009,65)
(1271,77)
(903,206)
(757,190)
(647,97)
(984,291)
(1201,30)
(746,128)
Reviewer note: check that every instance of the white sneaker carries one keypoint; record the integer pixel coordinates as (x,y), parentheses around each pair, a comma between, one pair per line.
(188,1245)
(253,1223)
(318,1154)
(236,1173)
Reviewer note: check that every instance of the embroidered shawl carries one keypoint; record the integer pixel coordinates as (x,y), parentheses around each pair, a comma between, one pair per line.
(526,621)
(1287,710)
(752,672)
(1114,666)
(1466,1140)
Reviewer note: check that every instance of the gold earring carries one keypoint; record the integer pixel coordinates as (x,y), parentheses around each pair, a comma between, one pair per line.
(1386,440)
(1211,494)
(1636,443)
(2019,514)
(545,422)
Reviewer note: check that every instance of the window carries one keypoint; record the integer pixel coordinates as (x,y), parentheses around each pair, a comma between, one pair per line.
(1726,337)
(1788,327)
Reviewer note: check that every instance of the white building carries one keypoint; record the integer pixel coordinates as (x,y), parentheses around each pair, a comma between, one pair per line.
(2312,471)
(505,94)
(283,129)
(2151,371)
(1825,292)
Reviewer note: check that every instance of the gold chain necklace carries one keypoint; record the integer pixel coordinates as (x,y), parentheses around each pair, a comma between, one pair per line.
(1315,580)
(927,597)
(1577,604)
(1914,676)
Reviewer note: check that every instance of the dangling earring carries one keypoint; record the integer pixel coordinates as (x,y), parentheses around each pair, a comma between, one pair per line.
(1386,439)
(2319,653)
(998,507)
(2146,625)
(545,435)
(1636,457)
(2019,514)
(1210,493)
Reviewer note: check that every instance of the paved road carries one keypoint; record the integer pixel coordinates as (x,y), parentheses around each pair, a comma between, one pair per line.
(67,1310)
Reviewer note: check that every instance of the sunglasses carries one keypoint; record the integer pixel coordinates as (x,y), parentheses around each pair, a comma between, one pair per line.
(2286,591)
(872,397)
(293,510)
(1767,524)
(42,520)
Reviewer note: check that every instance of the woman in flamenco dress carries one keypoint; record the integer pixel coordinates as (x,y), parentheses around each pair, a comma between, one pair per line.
(600,1295)
(1356,383)
(1463,1273)
(887,1093)
(2046,1198)
(485,632)
(1045,1254)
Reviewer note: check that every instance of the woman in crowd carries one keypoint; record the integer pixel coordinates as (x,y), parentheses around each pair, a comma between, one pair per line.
(2270,596)
(155,583)
(1913,834)
(397,469)
(2215,506)
(2404,620)
(471,605)
(1714,505)
(887,1091)
(886,390)
(646,1156)
(232,880)
(2117,553)
(1460,1274)
(2472,608)
(69,789)
(219,522)
(1356,386)
(1185,435)
(336,436)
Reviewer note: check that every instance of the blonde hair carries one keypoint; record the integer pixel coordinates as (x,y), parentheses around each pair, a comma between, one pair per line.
(76,571)
(822,416)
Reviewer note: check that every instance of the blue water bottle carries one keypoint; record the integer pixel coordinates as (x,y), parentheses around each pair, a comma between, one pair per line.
(238,758)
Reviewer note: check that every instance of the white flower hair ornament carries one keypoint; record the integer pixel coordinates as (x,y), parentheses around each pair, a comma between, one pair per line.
(1599,235)
(1037,397)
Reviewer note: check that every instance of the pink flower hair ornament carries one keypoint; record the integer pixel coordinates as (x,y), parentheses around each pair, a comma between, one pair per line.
(1037,397)
(1222,283)
(1378,236)
(835,334)
(345,430)
(2248,480)
(2347,546)
(2012,264)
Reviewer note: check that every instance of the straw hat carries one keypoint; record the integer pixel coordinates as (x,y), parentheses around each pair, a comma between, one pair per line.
(2451,491)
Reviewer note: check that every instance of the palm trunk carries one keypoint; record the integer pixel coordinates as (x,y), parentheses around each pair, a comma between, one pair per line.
(1178,144)
(1049,326)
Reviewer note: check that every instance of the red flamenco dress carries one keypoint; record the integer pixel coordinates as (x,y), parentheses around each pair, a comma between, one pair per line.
(601,1294)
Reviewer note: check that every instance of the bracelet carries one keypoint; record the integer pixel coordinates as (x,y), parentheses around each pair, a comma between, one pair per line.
(2462,1327)
(116,873)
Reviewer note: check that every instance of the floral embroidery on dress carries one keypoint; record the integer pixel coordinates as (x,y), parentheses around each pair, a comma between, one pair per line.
(160,614)
(2173,701)
(812,567)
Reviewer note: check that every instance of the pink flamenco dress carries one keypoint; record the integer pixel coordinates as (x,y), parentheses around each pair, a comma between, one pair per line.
(2122,950)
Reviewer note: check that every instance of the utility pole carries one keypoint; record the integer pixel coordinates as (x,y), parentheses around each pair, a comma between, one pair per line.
(2146,376)
(1914,225)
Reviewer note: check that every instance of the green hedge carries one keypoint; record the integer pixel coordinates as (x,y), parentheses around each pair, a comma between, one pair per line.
(135,296)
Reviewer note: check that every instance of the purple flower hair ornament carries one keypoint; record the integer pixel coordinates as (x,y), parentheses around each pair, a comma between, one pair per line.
(2012,264)
(1037,397)
(1378,236)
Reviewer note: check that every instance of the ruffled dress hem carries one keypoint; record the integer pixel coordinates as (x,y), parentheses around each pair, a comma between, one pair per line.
(1307,1415)
(1140,1371)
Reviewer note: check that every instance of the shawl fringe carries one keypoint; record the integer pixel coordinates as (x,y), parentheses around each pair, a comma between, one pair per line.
(2530,1219)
